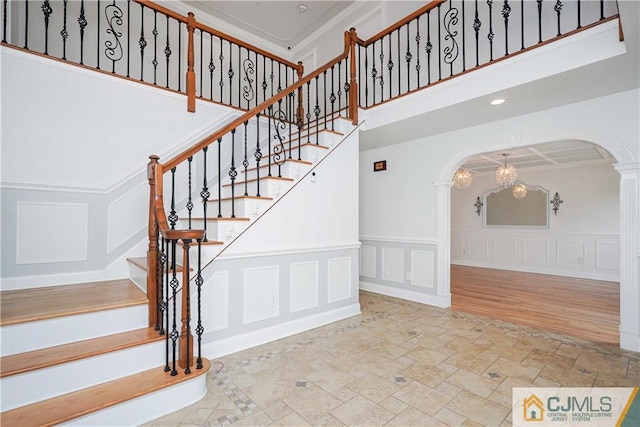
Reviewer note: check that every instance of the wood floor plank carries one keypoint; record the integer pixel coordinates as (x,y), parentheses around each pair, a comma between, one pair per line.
(27,305)
(77,404)
(582,308)
(46,357)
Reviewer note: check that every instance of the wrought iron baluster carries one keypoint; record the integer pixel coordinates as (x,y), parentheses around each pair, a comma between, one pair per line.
(522,23)
(366,77)
(309,111)
(476,28)
(332,98)
(155,45)
(271,77)
(173,217)
(491,35)
(408,57)
(113,49)
(558,9)
(506,10)
(601,10)
(219,178)
(199,328)
(174,292)
(257,69)
(381,56)
(142,42)
(189,192)
(205,190)
(257,154)
(169,266)
(374,72)
(248,67)
(417,38)
(63,33)
(439,43)
(46,11)
(539,21)
(324,96)
(221,58)
(451,52)
(167,54)
(339,88)
(279,156)
(26,24)
(128,38)
(464,58)
(233,173)
(264,78)
(98,37)
(290,119)
(212,66)
(359,74)
(186,317)
(399,64)
(179,53)
(299,124)
(316,112)
(579,14)
(429,47)
(4,20)
(230,74)
(239,69)
(245,162)
(161,267)
(201,59)
(390,67)
(270,116)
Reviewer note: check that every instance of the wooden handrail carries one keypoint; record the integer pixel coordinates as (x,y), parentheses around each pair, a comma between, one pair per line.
(400,23)
(258,109)
(164,10)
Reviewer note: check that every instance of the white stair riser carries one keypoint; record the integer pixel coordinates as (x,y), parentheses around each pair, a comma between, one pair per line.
(243,208)
(23,389)
(221,230)
(268,188)
(149,407)
(30,336)
(289,169)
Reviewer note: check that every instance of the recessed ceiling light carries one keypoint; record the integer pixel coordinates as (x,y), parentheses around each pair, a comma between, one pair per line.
(497,101)
(302,8)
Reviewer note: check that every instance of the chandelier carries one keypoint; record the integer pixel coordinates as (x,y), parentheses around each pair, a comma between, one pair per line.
(519,191)
(462,178)
(506,174)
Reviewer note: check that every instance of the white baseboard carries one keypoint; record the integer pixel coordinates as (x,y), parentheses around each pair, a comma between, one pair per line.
(630,341)
(438,301)
(594,275)
(251,339)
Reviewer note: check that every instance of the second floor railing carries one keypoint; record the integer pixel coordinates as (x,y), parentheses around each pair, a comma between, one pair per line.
(148,43)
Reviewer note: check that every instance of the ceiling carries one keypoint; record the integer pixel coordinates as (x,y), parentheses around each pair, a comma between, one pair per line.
(284,23)
(557,153)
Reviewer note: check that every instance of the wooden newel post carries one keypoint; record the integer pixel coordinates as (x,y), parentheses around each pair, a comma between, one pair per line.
(191,74)
(152,251)
(353,84)
(300,112)
(186,339)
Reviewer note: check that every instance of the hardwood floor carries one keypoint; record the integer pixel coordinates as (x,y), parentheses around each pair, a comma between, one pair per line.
(582,308)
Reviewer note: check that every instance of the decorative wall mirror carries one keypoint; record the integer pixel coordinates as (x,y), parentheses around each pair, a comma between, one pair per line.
(502,209)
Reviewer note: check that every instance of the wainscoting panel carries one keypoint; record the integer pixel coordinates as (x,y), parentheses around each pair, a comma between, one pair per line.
(215,297)
(536,251)
(368,261)
(422,271)
(393,265)
(607,256)
(38,242)
(127,216)
(339,274)
(570,253)
(505,249)
(303,286)
(591,256)
(261,293)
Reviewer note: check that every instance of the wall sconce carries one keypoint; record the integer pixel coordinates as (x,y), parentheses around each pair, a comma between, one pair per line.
(556,203)
(478,204)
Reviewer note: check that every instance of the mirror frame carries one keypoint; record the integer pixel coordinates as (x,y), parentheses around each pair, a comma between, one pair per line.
(486,207)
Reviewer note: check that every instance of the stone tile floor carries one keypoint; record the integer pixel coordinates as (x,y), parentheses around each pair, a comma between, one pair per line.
(399,363)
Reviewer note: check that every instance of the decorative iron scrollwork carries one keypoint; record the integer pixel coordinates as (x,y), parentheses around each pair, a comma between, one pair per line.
(46,10)
(280,125)
(556,203)
(247,90)
(450,20)
(113,48)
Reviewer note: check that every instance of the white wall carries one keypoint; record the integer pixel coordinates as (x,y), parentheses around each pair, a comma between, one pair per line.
(75,146)
(582,239)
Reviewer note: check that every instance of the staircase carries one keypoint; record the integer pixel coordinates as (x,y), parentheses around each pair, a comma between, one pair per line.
(54,338)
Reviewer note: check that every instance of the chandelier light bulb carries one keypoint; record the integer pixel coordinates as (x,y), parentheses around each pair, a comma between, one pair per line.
(519,191)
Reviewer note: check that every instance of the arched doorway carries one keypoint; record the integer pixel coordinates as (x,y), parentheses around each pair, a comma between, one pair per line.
(629,210)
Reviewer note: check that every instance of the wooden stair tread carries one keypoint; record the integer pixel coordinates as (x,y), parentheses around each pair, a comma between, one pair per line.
(86,401)
(27,305)
(240,181)
(141,262)
(46,357)
(266,165)
(224,218)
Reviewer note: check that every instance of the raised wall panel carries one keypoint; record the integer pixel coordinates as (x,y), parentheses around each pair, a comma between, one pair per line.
(368,261)
(51,232)
(215,302)
(261,293)
(393,265)
(456,246)
(535,251)
(303,286)
(339,276)
(127,216)
(570,253)
(505,249)
(607,256)
(478,247)
(422,268)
